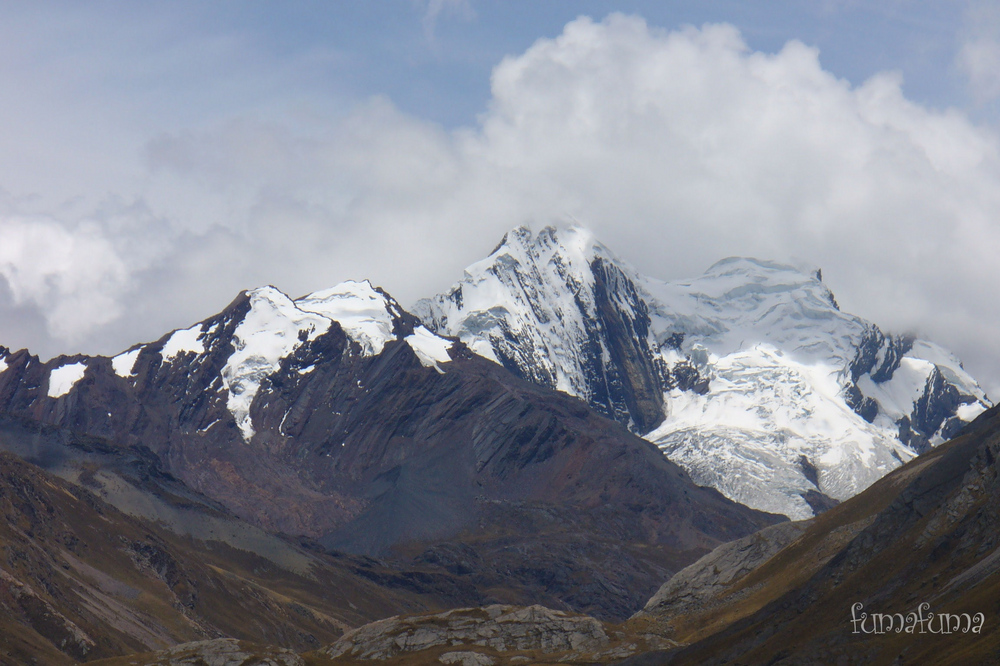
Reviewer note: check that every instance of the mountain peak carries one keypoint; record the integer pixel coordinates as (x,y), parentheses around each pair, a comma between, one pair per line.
(573,242)
(539,300)
(367,314)
(749,375)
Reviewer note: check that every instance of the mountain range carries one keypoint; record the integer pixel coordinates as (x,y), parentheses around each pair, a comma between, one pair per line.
(339,418)
(556,429)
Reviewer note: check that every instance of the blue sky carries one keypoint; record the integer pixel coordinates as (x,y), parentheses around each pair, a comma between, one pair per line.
(446,76)
(434,59)
(159,157)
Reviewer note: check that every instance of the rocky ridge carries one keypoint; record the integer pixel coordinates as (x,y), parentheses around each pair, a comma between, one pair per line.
(699,586)
(501,628)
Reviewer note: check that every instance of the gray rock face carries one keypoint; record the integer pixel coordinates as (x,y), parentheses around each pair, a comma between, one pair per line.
(502,628)
(696,586)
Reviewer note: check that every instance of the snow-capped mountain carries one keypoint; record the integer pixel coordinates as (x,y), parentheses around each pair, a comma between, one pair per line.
(750,376)
(340,417)
(275,327)
(562,311)
(256,374)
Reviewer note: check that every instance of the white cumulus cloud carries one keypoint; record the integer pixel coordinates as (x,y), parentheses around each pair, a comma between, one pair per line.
(677,147)
(75,275)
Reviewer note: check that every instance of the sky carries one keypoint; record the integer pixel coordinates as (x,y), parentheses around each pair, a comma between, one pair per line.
(158,158)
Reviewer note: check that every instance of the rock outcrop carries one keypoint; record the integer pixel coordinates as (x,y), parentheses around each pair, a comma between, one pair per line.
(496,635)
(501,628)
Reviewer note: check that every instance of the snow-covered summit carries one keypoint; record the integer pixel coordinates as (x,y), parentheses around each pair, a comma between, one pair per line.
(271,330)
(276,326)
(539,305)
(272,327)
(372,318)
(740,301)
(366,315)
(750,375)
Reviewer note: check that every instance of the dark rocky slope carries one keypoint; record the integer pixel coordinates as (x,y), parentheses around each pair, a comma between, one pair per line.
(525,494)
(80,580)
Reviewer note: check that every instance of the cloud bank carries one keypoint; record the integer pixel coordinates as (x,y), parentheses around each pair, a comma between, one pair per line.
(678,148)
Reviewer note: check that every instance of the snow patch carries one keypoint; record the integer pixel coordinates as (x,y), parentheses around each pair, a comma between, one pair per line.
(764,413)
(897,395)
(205,429)
(63,378)
(3,364)
(271,330)
(183,340)
(365,315)
(430,349)
(124,363)
(969,411)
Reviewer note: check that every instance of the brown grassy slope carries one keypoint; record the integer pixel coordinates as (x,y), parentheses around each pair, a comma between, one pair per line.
(928,532)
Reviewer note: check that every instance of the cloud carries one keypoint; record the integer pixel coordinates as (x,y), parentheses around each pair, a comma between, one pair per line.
(74,275)
(978,55)
(678,148)
(684,147)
